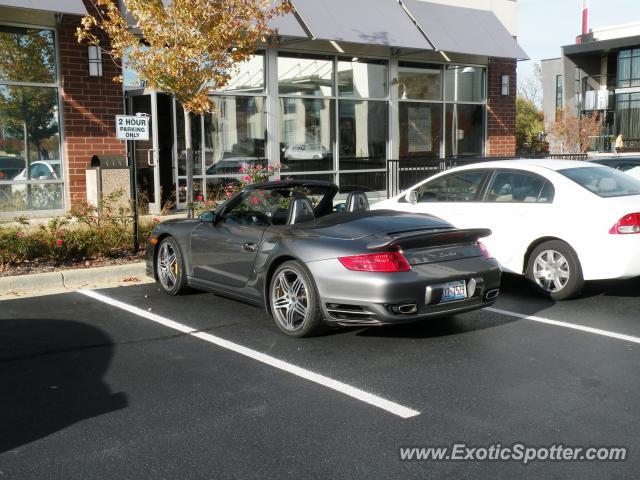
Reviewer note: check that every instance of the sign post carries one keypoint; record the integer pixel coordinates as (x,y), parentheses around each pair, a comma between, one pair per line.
(131,128)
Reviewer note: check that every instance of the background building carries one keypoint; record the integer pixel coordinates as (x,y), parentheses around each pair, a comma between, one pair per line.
(599,74)
(351,85)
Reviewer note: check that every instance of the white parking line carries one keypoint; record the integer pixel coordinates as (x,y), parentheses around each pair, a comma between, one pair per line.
(336,385)
(573,326)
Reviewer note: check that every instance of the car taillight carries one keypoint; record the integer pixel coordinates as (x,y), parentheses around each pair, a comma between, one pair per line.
(630,223)
(485,251)
(377,262)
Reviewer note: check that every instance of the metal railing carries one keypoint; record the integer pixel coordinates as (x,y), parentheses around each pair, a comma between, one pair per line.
(404,173)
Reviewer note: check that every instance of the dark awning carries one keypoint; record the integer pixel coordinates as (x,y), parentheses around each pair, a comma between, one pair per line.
(372,22)
(600,46)
(464,30)
(75,7)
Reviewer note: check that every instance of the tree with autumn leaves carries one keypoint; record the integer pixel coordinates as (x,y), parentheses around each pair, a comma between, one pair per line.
(185,48)
(572,134)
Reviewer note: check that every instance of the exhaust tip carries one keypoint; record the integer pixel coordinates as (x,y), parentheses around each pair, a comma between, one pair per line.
(406,309)
(491,294)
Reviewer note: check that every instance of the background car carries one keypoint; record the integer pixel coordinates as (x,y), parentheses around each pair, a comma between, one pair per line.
(557,222)
(282,245)
(306,151)
(628,165)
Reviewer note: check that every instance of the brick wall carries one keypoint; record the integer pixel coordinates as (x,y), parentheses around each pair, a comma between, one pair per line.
(501,110)
(89,106)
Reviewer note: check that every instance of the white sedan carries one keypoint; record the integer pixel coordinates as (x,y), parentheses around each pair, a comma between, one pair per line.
(557,222)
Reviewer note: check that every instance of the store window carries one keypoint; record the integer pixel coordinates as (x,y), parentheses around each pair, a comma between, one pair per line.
(231,136)
(464,129)
(465,84)
(307,114)
(419,83)
(420,110)
(234,137)
(30,161)
(420,130)
(363,123)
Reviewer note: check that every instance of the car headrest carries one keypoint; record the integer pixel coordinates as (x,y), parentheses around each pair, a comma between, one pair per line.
(607,184)
(300,211)
(357,202)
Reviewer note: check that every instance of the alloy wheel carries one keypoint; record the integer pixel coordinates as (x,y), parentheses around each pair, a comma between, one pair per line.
(167,266)
(551,271)
(289,299)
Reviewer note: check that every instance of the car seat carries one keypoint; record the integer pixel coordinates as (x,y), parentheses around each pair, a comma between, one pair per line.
(300,211)
(357,202)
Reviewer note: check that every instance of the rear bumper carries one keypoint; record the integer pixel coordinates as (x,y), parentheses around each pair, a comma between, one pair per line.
(368,298)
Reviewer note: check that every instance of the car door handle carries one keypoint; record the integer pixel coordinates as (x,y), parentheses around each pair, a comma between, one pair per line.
(249,247)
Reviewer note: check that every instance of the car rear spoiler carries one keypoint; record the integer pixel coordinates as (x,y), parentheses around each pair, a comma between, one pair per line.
(432,239)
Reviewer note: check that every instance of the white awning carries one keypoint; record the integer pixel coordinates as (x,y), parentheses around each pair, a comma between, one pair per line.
(75,7)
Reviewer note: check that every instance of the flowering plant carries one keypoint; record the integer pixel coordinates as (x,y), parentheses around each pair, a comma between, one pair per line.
(251,173)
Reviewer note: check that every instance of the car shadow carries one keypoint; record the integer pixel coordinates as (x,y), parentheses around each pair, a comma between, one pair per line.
(51,372)
(613,288)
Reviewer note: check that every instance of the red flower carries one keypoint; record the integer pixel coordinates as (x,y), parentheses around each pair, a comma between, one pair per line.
(20,234)
(59,242)
(241,169)
(246,178)
(254,200)
(199,198)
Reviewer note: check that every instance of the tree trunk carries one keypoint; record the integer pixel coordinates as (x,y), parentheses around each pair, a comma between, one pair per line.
(189,160)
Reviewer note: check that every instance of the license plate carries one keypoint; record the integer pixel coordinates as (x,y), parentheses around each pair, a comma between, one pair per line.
(453,291)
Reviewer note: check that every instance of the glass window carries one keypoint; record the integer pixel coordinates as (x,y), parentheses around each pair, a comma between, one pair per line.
(424,83)
(465,84)
(365,181)
(196,136)
(629,68)
(628,118)
(519,187)
(29,148)
(248,77)
(305,76)
(27,55)
(29,125)
(362,79)
(307,134)
(455,187)
(234,134)
(420,127)
(604,181)
(363,130)
(464,129)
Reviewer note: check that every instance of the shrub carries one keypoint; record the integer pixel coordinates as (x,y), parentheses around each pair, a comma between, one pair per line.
(85,232)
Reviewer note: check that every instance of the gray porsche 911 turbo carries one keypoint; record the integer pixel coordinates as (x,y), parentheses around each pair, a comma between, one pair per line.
(285,246)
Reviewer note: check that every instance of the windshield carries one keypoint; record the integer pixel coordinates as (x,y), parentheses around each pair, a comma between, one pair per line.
(603,181)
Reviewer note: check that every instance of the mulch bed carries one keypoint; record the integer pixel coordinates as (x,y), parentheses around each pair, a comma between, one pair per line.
(42,266)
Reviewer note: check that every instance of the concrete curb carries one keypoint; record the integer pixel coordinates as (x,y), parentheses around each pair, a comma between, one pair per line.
(75,278)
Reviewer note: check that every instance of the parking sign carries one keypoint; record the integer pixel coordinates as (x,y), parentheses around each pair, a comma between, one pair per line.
(130,127)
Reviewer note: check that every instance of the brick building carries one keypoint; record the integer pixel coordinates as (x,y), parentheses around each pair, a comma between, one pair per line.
(351,85)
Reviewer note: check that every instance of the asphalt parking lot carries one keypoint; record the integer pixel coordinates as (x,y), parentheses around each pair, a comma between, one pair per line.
(132,383)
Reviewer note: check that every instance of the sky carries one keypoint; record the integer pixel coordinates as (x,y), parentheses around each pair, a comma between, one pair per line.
(545,25)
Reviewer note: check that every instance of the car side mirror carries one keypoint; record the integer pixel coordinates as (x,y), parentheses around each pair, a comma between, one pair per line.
(208,217)
(412,197)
